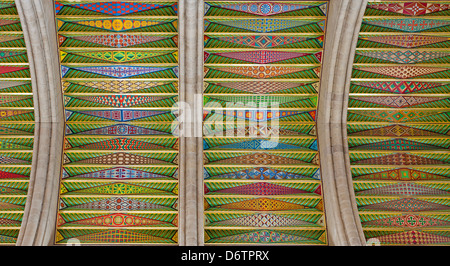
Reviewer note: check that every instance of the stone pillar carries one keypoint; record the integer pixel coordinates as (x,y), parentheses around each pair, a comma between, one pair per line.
(39,28)
(198,113)
(342,219)
(191,148)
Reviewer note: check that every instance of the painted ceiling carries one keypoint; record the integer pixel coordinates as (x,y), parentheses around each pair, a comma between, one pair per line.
(262,63)
(16,123)
(119,65)
(398,123)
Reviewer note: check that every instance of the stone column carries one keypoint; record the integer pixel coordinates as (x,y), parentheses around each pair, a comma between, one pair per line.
(39,28)
(342,219)
(191,148)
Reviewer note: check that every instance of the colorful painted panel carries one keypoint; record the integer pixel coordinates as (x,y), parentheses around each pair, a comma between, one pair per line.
(119,65)
(16,123)
(399,123)
(261,164)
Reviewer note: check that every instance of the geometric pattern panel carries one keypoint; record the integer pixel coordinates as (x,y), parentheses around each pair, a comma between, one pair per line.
(16,123)
(262,67)
(119,65)
(398,123)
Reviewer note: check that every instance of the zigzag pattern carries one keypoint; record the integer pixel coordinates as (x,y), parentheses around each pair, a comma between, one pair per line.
(120,173)
(117,86)
(117,56)
(121,158)
(260,87)
(121,144)
(409,24)
(264,220)
(407,41)
(400,87)
(261,173)
(396,131)
(116,71)
(400,159)
(403,72)
(262,204)
(399,101)
(265,25)
(408,221)
(114,25)
(117,115)
(396,145)
(119,130)
(262,56)
(119,101)
(411,8)
(119,204)
(414,238)
(122,236)
(115,40)
(403,190)
(400,174)
(120,189)
(119,220)
(405,57)
(117,8)
(263,8)
(261,189)
(406,205)
(261,72)
(264,236)
(264,41)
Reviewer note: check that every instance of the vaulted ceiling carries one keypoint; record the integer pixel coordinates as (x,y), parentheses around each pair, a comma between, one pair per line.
(119,67)
(262,74)
(263,78)
(16,123)
(398,123)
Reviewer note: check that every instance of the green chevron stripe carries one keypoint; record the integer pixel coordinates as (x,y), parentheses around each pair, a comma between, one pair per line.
(310,187)
(80,141)
(23,58)
(73,87)
(78,156)
(72,217)
(72,11)
(164,74)
(71,27)
(435,156)
(221,12)
(215,59)
(372,28)
(79,128)
(16,74)
(78,170)
(73,201)
(164,59)
(12,27)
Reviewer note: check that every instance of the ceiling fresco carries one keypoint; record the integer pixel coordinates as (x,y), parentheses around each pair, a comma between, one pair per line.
(398,123)
(119,65)
(16,123)
(262,64)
